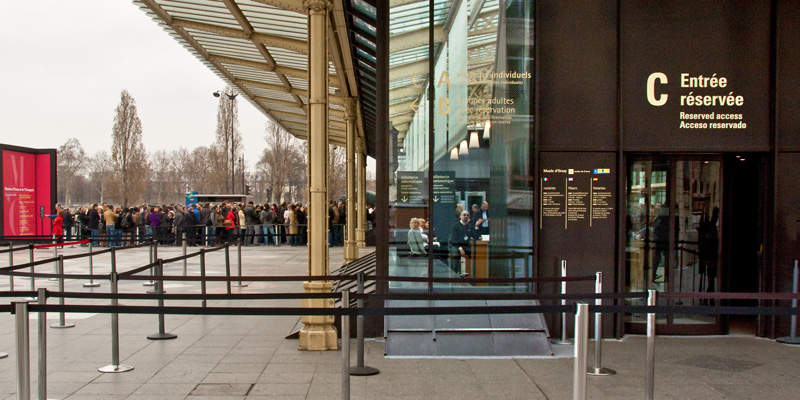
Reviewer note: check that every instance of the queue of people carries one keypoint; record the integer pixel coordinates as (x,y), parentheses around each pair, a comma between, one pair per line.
(250,224)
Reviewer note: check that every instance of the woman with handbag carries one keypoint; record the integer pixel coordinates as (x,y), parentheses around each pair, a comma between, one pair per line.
(230,223)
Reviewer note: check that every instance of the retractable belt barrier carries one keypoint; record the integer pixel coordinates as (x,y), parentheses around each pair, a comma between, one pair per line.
(44,246)
(579,306)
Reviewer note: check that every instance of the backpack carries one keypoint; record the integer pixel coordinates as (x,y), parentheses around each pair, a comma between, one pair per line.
(125,223)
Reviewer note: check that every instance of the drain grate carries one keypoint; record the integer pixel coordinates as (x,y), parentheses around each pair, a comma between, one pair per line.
(719,363)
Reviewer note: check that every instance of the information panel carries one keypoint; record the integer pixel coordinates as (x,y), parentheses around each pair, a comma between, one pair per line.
(576,196)
(28,185)
(19,190)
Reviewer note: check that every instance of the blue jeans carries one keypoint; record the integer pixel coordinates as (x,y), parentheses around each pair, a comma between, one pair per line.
(210,236)
(269,234)
(111,235)
(95,235)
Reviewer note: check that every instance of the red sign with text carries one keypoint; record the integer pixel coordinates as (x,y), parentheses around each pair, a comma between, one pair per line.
(26,185)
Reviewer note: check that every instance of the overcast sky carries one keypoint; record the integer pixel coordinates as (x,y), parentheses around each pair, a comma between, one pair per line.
(64,64)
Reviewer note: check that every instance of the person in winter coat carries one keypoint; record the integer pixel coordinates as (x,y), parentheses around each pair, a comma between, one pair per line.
(230,227)
(58,226)
(293,238)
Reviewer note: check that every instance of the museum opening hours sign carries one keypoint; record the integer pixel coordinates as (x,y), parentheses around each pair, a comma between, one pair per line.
(575,197)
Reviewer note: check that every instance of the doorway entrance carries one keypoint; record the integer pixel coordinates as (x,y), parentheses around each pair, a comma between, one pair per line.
(692,226)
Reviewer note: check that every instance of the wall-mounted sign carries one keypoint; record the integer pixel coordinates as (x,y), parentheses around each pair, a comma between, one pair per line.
(705,85)
(576,196)
(411,187)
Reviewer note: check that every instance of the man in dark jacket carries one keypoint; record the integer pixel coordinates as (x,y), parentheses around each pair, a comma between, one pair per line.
(459,242)
(250,220)
(69,222)
(94,223)
(179,222)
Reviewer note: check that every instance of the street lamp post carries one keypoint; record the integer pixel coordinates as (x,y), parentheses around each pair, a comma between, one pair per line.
(231,97)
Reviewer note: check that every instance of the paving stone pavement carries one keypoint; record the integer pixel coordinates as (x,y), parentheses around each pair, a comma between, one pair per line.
(247,357)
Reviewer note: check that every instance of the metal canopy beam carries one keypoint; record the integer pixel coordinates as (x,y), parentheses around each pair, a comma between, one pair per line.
(281,42)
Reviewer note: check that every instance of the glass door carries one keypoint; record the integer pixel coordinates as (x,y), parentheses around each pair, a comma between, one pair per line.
(672,235)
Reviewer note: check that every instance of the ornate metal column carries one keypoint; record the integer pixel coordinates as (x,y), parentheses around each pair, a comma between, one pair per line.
(350,245)
(318,332)
(361,229)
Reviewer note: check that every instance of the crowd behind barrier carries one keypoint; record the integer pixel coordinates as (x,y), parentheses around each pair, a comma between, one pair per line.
(207,224)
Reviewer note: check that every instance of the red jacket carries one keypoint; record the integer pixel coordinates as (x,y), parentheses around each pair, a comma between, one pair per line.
(58,224)
(231,218)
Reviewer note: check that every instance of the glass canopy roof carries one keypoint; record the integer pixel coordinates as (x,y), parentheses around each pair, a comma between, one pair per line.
(259,47)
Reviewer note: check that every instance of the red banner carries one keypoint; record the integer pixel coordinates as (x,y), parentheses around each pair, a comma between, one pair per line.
(26,187)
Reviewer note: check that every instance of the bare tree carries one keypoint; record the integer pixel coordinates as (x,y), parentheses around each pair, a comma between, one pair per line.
(281,161)
(71,164)
(127,151)
(337,172)
(101,174)
(229,140)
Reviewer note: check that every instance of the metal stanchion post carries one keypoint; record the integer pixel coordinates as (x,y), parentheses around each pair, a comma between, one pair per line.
(650,369)
(360,369)
(153,254)
(62,323)
(115,366)
(162,334)
(33,280)
(11,264)
(792,338)
(42,379)
(239,261)
(345,346)
(203,275)
(183,241)
(31,259)
(228,266)
(91,282)
(563,339)
(23,351)
(55,255)
(598,369)
(581,347)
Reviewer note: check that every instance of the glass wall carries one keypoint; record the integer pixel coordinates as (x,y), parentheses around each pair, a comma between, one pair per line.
(464,142)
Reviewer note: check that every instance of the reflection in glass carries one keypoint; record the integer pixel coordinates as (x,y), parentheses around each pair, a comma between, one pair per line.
(672,230)
(477,128)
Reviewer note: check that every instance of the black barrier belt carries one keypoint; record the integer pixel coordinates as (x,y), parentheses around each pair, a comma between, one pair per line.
(18,294)
(298,310)
(27,265)
(730,296)
(49,275)
(481,280)
(179,258)
(13,249)
(141,296)
(129,274)
(7,308)
(661,310)
(704,310)
(215,248)
(499,296)
(298,278)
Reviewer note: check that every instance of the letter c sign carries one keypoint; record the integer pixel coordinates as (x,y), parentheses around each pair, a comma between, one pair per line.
(651,89)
